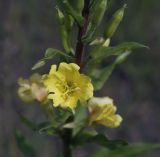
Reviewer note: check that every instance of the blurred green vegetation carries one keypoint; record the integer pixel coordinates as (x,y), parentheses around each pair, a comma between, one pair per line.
(28,27)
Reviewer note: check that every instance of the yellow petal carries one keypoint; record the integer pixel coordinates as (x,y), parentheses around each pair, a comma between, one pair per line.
(68,85)
(53,69)
(104,113)
(71,102)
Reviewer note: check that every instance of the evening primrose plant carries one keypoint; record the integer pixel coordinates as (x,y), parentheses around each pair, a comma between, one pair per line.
(67,91)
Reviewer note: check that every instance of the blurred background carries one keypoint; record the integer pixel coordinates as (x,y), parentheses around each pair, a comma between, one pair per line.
(28,27)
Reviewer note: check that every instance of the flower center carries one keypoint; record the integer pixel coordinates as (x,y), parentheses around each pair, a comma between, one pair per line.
(70,87)
(67,88)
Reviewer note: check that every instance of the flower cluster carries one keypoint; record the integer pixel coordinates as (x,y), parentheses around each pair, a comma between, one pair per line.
(66,95)
(65,86)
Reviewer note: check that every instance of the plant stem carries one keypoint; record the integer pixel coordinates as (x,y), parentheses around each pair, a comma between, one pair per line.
(66,136)
(81,32)
(66,139)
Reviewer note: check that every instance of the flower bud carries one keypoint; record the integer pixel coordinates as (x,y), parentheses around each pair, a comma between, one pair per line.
(102,111)
(32,89)
(64,28)
(80,5)
(97,12)
(114,22)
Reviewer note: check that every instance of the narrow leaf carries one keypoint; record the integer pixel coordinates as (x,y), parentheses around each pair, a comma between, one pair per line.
(80,118)
(133,150)
(101,52)
(75,14)
(48,129)
(105,73)
(50,53)
(39,64)
(43,127)
(98,139)
(103,77)
(27,122)
(98,9)
(24,145)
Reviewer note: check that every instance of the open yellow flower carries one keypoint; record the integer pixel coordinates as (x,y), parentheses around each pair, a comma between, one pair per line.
(102,111)
(66,85)
(32,89)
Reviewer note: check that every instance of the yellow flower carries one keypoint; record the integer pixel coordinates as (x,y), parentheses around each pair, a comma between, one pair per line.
(32,89)
(66,85)
(102,111)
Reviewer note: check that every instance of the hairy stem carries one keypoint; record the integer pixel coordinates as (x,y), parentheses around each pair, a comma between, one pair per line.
(81,32)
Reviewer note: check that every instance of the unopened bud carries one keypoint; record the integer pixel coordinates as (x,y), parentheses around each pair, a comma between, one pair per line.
(114,22)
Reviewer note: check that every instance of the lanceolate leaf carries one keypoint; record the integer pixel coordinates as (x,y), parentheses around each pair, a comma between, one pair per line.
(43,127)
(48,130)
(133,150)
(101,52)
(27,122)
(98,139)
(49,54)
(98,9)
(24,145)
(105,73)
(103,77)
(81,115)
(74,13)
(39,64)
(77,4)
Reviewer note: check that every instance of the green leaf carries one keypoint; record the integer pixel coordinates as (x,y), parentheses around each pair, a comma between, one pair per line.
(74,13)
(62,115)
(27,122)
(24,145)
(47,129)
(100,139)
(65,24)
(39,64)
(79,5)
(133,150)
(80,118)
(43,127)
(69,22)
(60,16)
(97,10)
(103,75)
(49,54)
(122,57)
(101,52)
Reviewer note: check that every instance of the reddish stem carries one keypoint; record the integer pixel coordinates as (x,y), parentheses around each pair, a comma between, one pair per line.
(80,47)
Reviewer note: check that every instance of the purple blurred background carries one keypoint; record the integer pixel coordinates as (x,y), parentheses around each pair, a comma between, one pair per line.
(28,27)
